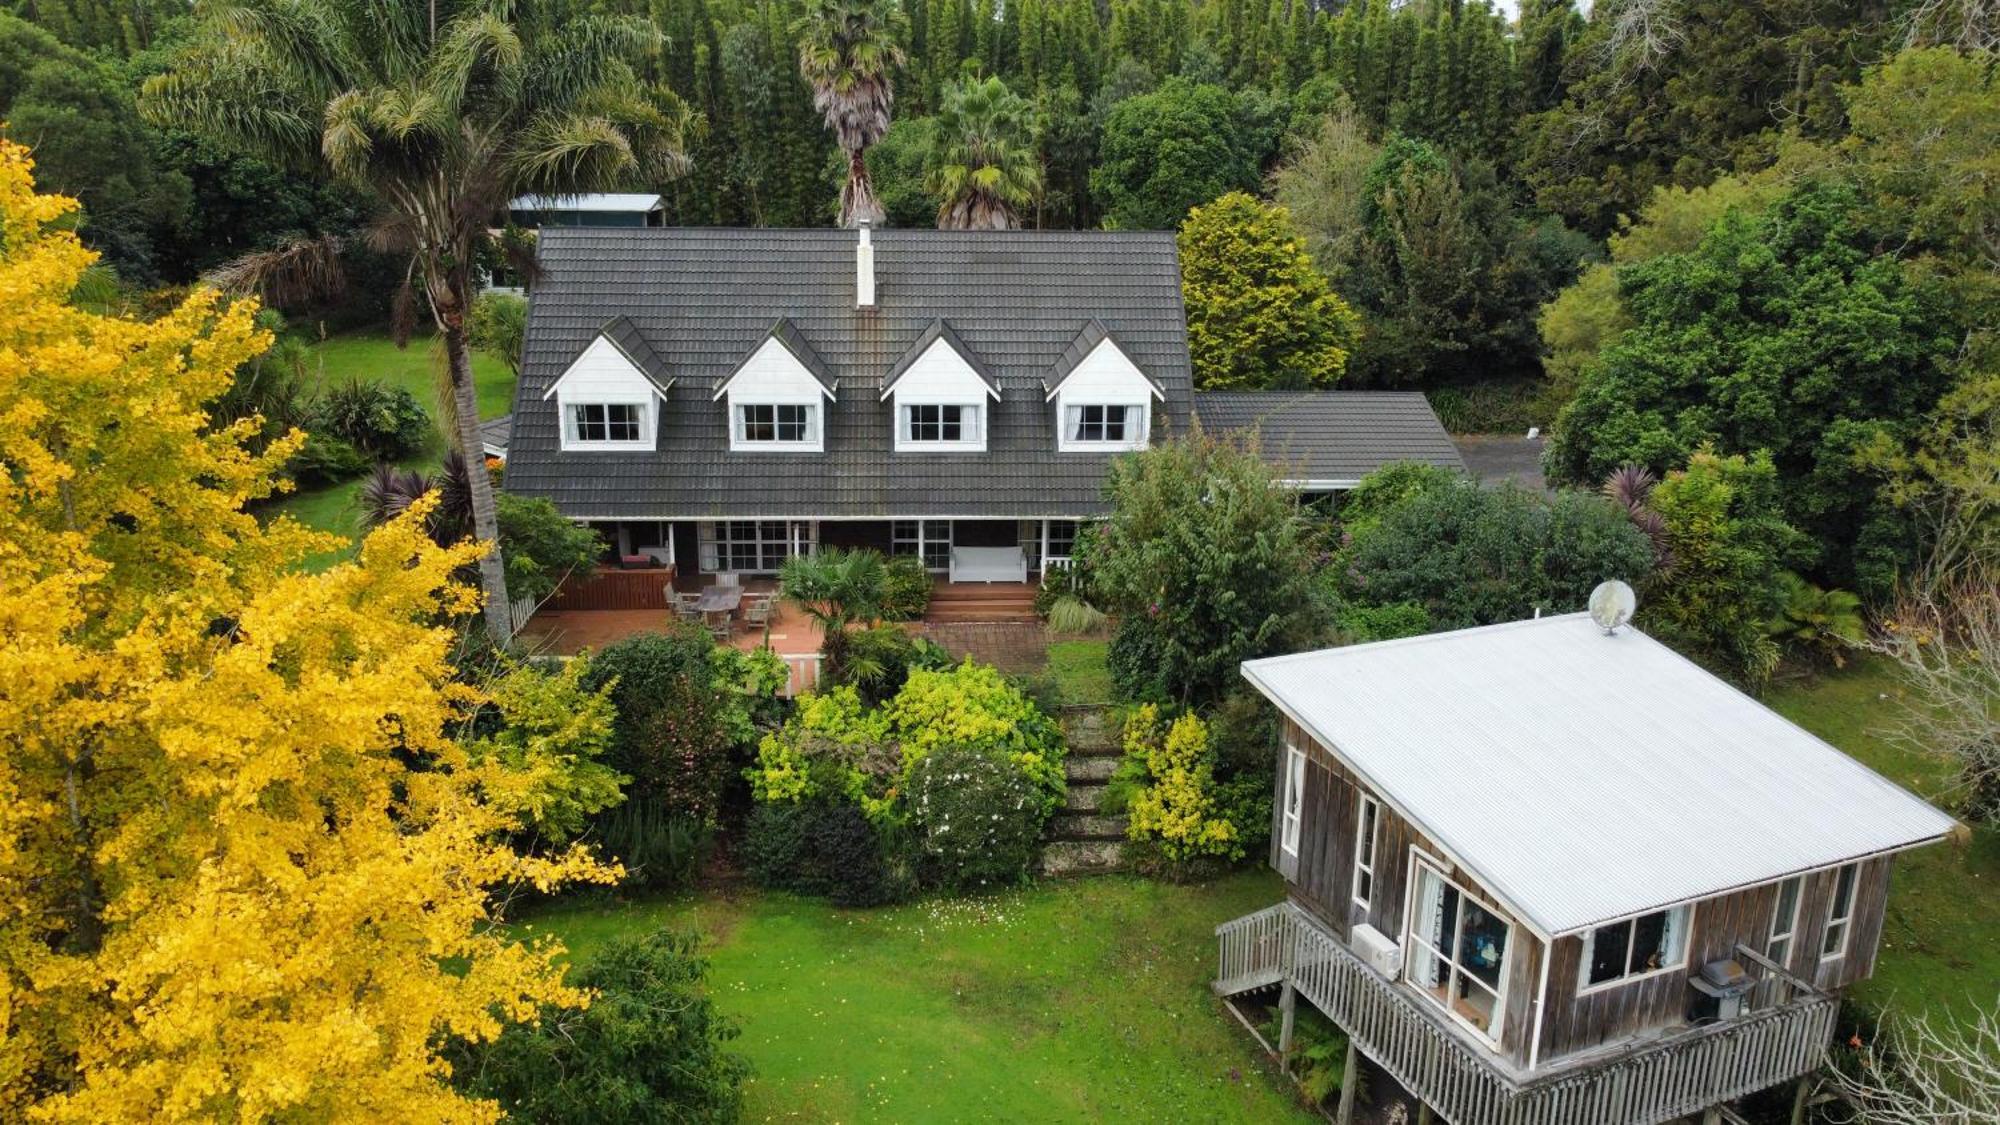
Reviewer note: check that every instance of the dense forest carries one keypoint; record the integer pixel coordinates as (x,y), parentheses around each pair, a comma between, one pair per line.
(1511,213)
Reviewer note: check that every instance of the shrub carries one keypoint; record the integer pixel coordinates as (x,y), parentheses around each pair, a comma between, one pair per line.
(906,589)
(498,324)
(820,847)
(662,849)
(973,706)
(877,661)
(1207,561)
(387,422)
(544,755)
(1469,555)
(837,752)
(973,817)
(325,459)
(1359,624)
(541,546)
(650,1047)
(682,728)
(1176,812)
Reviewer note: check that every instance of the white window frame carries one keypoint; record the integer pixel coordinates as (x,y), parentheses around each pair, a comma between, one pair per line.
(800,537)
(1367,837)
(1420,861)
(1785,926)
(1134,438)
(1292,809)
(972,427)
(739,436)
(919,544)
(572,437)
(1839,915)
(1584,987)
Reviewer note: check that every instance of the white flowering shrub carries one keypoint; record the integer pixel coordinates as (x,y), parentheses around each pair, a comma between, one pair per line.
(977,817)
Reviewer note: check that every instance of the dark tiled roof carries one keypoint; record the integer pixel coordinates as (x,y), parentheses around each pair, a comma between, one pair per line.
(1332,435)
(703,298)
(626,337)
(493,434)
(939,329)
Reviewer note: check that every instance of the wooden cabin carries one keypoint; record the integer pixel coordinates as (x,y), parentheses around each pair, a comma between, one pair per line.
(1542,874)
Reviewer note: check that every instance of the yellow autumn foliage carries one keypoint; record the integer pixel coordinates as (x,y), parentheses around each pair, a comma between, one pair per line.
(244,867)
(1176,809)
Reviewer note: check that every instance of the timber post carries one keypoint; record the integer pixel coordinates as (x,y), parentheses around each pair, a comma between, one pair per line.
(1288,1003)
(1712,1115)
(1349,1079)
(1799,1096)
(1424,1115)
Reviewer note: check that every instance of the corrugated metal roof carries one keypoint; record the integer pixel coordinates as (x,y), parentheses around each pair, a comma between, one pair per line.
(1332,437)
(588,201)
(1585,777)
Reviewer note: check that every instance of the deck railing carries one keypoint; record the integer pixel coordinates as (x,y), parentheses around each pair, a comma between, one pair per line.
(1645,1084)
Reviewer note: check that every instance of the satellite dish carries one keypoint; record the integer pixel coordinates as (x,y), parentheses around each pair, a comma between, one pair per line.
(1611,605)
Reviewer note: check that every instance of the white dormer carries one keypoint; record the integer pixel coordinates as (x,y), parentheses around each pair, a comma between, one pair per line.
(609,398)
(940,395)
(779,395)
(1103,403)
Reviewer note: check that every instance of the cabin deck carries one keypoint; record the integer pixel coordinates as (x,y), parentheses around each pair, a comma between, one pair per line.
(1638,1082)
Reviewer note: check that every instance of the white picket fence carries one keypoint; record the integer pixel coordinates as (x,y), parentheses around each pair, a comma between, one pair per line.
(803,669)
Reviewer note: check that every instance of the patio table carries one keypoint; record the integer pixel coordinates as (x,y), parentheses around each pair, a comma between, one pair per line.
(720,599)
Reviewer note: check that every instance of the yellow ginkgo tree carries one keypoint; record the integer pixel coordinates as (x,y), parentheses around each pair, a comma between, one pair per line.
(245,871)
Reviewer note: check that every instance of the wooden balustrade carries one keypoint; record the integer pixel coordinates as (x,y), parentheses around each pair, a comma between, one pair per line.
(1645,1083)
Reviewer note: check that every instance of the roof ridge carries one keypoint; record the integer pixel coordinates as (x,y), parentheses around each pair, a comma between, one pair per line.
(1422,638)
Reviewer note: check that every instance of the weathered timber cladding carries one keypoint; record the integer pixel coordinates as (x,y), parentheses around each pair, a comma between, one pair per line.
(1324,878)
(1321,881)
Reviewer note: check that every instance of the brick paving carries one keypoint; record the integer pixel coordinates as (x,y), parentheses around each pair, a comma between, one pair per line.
(1017,647)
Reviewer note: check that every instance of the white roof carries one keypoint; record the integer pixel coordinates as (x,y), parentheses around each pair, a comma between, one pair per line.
(1585,777)
(590,201)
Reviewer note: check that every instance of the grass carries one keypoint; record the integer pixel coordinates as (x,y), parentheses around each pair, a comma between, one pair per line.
(1081,670)
(1076,1001)
(373,355)
(1941,939)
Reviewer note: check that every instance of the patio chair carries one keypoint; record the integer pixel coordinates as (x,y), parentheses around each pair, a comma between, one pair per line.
(687,607)
(721,627)
(729,578)
(756,612)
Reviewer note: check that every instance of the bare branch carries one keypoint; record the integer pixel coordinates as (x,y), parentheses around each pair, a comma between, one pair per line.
(296,272)
(1926,1071)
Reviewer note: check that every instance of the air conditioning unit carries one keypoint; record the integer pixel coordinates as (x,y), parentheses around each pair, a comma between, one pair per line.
(1376,950)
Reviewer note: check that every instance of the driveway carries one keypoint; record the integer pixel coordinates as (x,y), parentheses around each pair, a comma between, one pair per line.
(1493,458)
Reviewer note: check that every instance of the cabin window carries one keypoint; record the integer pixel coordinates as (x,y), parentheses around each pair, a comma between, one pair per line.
(1784,923)
(934,422)
(1295,796)
(1458,952)
(765,423)
(1104,423)
(1364,850)
(1839,914)
(605,421)
(1636,947)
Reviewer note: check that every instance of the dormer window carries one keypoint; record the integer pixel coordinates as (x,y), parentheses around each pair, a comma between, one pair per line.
(1097,422)
(777,424)
(603,423)
(941,424)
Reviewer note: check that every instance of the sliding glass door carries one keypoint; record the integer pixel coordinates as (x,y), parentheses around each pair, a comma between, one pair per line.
(1458,952)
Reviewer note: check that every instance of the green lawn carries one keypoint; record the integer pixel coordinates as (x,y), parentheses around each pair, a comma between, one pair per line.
(1075,1001)
(1941,940)
(1080,670)
(373,355)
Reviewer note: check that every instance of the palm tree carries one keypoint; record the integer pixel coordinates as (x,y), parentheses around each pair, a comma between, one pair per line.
(440,112)
(985,167)
(846,54)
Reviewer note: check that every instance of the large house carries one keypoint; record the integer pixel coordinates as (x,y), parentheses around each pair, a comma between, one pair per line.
(722,399)
(1542,874)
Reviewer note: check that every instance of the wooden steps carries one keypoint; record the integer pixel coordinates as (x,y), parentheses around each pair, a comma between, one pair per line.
(982,602)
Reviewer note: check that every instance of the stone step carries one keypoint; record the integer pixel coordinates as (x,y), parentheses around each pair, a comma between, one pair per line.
(1083,798)
(978,615)
(1087,768)
(1087,826)
(1083,857)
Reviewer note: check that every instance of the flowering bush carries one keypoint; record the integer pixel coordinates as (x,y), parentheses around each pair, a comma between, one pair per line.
(974,816)
(1178,808)
(973,706)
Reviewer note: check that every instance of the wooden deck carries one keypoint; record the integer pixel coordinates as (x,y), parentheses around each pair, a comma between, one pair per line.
(1641,1082)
